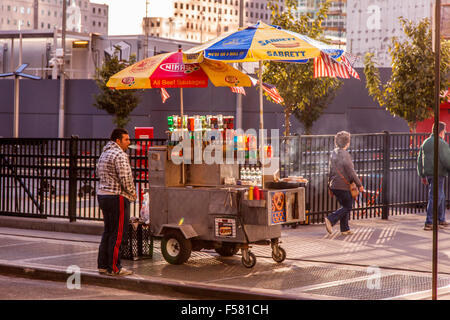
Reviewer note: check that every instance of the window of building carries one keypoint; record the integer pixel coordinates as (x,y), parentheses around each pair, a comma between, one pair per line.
(93,10)
(93,23)
(176,5)
(22,10)
(181,6)
(187,6)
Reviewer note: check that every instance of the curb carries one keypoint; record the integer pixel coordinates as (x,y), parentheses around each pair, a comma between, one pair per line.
(54,225)
(194,289)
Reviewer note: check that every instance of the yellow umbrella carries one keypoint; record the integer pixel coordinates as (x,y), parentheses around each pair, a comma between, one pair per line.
(167,70)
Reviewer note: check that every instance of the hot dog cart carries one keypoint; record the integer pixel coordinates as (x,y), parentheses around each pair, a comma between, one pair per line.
(201,206)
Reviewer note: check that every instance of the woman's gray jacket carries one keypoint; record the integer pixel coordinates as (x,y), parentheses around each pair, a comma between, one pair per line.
(341,160)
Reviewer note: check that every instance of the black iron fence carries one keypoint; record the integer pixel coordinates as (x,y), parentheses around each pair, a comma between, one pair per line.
(56,177)
(385,162)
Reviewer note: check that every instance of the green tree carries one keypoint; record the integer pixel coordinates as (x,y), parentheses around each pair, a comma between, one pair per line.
(409,93)
(118,103)
(304,96)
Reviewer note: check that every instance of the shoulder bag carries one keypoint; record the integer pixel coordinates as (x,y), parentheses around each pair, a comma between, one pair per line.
(352,186)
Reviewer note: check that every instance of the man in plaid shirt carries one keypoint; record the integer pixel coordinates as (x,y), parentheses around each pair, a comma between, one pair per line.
(115,191)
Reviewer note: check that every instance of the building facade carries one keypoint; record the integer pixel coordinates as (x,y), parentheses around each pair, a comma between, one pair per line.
(45,15)
(375,22)
(335,23)
(202,20)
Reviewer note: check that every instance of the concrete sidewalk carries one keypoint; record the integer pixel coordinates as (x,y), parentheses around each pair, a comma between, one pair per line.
(384,259)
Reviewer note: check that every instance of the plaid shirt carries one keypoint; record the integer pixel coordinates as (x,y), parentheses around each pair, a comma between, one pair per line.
(114,171)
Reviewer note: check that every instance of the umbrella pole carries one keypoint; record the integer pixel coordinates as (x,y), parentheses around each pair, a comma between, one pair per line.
(183,173)
(261,122)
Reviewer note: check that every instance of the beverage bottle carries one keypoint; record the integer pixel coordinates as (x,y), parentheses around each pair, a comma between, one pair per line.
(253,175)
(170,122)
(242,173)
(258,177)
(247,173)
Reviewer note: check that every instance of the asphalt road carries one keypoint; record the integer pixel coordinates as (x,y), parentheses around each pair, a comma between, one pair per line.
(15,288)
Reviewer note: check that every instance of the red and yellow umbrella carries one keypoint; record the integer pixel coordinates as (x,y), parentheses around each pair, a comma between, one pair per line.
(167,70)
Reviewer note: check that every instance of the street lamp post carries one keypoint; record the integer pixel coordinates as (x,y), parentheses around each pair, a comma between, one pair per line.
(62,76)
(437,83)
(18,73)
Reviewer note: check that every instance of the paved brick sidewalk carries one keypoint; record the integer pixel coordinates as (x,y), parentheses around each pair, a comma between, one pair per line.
(384,259)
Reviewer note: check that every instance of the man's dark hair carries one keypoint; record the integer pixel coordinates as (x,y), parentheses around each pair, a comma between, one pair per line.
(441,127)
(117,134)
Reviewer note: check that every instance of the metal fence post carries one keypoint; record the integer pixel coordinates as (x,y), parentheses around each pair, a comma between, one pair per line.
(386,175)
(73,162)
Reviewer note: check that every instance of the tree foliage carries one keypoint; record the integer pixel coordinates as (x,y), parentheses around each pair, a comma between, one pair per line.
(304,96)
(118,103)
(409,93)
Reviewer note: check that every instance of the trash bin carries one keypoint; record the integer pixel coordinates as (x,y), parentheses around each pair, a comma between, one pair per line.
(139,243)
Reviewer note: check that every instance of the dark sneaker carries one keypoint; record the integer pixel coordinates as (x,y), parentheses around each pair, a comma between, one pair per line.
(328,226)
(428,227)
(102,271)
(443,224)
(122,272)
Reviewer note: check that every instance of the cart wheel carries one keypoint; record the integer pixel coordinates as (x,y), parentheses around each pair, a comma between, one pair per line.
(227,250)
(175,248)
(250,263)
(281,255)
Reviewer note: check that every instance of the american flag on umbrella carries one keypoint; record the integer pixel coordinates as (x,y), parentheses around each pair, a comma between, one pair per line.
(164,95)
(325,66)
(271,90)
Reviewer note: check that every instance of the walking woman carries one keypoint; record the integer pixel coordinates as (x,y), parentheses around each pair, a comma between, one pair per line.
(342,173)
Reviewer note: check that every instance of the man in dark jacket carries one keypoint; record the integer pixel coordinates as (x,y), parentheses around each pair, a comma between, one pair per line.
(425,167)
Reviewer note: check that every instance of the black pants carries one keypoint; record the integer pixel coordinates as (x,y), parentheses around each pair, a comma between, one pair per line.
(116,216)
(342,215)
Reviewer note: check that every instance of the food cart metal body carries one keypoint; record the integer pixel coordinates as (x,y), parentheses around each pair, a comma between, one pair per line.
(206,214)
